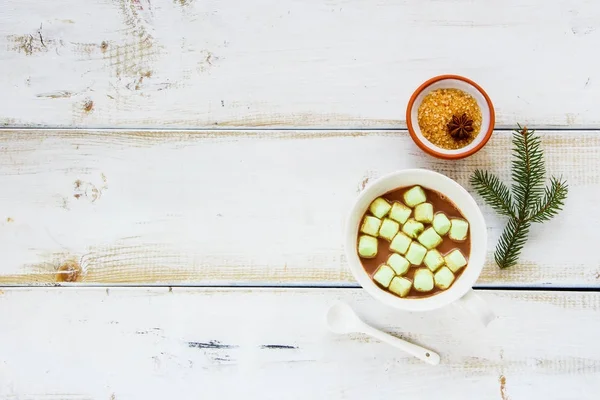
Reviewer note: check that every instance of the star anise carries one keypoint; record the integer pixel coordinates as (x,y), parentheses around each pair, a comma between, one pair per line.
(460,127)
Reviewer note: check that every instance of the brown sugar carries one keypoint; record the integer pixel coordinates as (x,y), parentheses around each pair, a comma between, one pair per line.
(436,111)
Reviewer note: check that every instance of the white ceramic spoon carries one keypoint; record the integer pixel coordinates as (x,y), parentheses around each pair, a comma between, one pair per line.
(342,319)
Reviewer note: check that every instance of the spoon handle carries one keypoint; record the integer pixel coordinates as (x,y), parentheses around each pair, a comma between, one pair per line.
(430,357)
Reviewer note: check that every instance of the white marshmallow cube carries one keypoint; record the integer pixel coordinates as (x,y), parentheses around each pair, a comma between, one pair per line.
(416,253)
(430,239)
(414,196)
(459,229)
(400,286)
(384,275)
(400,212)
(424,213)
(370,225)
(398,263)
(413,228)
(443,278)
(433,260)
(367,246)
(455,260)
(423,280)
(380,207)
(388,229)
(441,223)
(400,243)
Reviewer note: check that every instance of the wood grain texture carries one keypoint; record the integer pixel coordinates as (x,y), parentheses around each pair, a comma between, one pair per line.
(247,207)
(267,63)
(158,343)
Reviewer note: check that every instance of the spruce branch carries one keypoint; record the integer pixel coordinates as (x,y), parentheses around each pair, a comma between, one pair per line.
(528,169)
(511,242)
(530,202)
(552,203)
(494,192)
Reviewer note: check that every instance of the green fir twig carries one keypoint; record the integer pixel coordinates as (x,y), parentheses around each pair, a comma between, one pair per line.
(494,192)
(552,202)
(530,202)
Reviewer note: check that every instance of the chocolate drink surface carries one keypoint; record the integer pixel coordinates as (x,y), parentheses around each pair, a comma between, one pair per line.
(441,205)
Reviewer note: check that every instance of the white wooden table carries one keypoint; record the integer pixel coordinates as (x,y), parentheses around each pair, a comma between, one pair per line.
(174,176)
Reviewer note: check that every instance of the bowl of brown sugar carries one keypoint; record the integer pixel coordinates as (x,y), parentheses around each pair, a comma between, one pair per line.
(450,117)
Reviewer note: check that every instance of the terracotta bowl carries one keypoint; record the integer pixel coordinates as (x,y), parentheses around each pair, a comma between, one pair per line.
(451,82)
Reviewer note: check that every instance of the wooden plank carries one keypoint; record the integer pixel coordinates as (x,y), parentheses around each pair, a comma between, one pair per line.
(133,343)
(264,208)
(343,63)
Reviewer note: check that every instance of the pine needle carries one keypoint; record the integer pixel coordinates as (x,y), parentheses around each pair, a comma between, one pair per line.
(532,201)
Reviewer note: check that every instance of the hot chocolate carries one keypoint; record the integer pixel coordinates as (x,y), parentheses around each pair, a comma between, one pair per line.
(414,242)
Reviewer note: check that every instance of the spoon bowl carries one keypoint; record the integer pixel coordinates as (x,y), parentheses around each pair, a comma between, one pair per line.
(342,319)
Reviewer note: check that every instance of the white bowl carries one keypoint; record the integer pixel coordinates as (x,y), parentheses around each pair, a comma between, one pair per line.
(461,199)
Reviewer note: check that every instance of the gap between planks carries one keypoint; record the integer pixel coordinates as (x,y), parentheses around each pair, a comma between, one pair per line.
(166,130)
(234,287)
